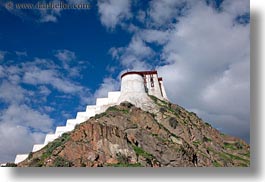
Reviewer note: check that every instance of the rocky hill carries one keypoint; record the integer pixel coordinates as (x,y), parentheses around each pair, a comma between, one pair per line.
(128,136)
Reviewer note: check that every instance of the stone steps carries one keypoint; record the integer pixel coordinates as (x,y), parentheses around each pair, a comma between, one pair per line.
(37,147)
(91,110)
(21,157)
(133,89)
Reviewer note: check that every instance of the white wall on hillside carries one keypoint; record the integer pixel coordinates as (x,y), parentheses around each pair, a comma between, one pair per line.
(134,88)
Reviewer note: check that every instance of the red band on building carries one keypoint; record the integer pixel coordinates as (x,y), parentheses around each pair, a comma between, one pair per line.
(142,73)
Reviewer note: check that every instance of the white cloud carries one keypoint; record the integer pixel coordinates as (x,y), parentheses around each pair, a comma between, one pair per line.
(11,93)
(35,74)
(44,90)
(70,62)
(141,16)
(134,55)
(20,124)
(11,73)
(191,52)
(31,118)
(109,84)
(21,53)
(40,72)
(65,55)
(155,36)
(207,67)
(231,89)
(2,55)
(113,12)
(50,77)
(49,15)
(48,109)
(236,7)
(20,128)
(43,93)
(162,12)
(16,139)
(45,17)
(205,58)
(46,73)
(139,48)
(2,74)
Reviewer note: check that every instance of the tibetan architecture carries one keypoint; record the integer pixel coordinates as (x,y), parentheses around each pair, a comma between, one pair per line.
(135,88)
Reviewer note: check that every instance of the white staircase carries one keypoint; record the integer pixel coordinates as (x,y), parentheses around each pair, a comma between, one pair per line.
(91,110)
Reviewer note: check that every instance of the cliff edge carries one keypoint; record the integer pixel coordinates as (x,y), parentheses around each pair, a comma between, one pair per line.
(127,136)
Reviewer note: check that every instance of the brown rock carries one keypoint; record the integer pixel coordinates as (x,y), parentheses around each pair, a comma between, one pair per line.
(126,136)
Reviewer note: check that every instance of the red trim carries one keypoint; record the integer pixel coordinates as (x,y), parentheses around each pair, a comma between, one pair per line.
(160,79)
(130,73)
(142,73)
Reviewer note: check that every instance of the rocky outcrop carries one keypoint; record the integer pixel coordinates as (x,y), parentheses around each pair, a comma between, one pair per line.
(127,136)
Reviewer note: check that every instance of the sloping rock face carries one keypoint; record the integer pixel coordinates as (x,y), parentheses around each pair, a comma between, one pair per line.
(127,136)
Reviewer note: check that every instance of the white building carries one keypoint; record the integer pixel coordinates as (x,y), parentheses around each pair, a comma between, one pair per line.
(135,88)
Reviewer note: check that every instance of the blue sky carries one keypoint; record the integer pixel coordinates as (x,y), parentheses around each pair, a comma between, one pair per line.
(54,62)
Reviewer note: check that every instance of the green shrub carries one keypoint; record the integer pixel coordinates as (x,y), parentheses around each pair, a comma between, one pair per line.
(153,98)
(193,113)
(97,116)
(216,164)
(238,145)
(44,156)
(115,109)
(246,154)
(30,155)
(205,139)
(123,159)
(61,162)
(140,152)
(112,109)
(196,143)
(177,110)
(229,146)
(235,157)
(58,142)
(10,165)
(36,162)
